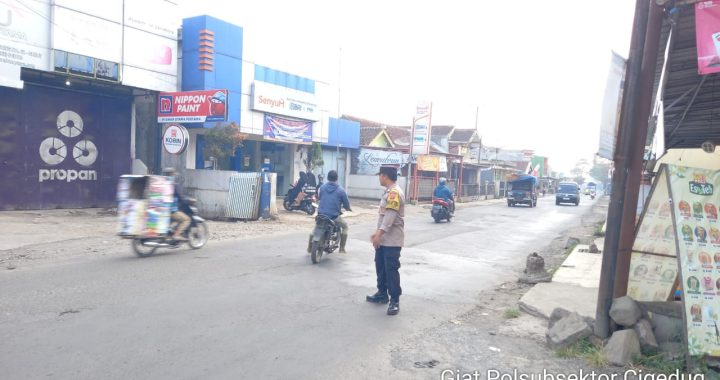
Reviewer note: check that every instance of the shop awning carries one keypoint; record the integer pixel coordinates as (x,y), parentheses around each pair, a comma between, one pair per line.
(693,158)
(691,101)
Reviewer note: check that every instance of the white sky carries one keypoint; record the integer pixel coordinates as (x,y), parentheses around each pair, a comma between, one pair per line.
(536,69)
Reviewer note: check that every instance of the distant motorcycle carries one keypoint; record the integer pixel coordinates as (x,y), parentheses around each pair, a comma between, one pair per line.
(326,238)
(307,203)
(592,195)
(197,235)
(440,210)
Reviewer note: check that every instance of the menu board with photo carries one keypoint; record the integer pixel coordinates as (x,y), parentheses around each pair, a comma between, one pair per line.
(695,215)
(653,265)
(652,277)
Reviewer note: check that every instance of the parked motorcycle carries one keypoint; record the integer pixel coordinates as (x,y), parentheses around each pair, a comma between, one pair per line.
(326,238)
(307,203)
(197,234)
(440,210)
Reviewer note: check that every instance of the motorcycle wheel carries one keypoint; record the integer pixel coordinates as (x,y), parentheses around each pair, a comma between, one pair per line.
(287,204)
(198,236)
(141,250)
(316,252)
(310,209)
(437,219)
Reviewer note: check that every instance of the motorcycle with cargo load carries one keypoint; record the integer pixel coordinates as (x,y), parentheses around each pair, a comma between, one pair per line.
(144,215)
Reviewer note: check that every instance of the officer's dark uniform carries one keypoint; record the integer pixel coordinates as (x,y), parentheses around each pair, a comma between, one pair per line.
(387,256)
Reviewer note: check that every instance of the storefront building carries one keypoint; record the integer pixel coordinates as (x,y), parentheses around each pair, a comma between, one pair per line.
(77,87)
(279,114)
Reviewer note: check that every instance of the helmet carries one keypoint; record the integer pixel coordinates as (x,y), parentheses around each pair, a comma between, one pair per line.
(170,172)
(443,180)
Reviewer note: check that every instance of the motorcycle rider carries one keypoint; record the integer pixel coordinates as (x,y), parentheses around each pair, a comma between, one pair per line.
(444,193)
(332,198)
(177,215)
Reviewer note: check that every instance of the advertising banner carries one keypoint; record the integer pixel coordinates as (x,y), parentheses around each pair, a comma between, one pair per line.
(282,129)
(695,214)
(24,39)
(73,154)
(175,139)
(369,161)
(79,33)
(159,17)
(151,52)
(610,112)
(432,163)
(707,34)
(108,9)
(653,263)
(285,101)
(421,129)
(192,106)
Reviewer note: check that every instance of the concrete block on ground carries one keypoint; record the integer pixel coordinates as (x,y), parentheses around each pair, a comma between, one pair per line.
(580,268)
(644,330)
(622,348)
(625,311)
(543,298)
(567,331)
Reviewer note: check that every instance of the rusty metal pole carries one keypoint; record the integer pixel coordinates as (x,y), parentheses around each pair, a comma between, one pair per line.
(637,148)
(622,146)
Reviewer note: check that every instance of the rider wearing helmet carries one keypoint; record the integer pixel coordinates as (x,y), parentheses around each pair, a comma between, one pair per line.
(177,215)
(444,193)
(332,198)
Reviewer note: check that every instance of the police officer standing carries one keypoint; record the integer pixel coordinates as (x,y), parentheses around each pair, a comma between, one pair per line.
(388,240)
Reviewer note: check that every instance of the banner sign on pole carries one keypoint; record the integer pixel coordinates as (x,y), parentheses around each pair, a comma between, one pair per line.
(422,129)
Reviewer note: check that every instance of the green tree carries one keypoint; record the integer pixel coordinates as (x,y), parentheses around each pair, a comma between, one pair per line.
(314,157)
(600,172)
(221,141)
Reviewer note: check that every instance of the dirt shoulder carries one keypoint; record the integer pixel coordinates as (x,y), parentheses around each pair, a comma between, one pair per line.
(43,236)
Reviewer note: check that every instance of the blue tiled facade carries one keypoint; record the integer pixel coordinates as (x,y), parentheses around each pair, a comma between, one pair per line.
(227,52)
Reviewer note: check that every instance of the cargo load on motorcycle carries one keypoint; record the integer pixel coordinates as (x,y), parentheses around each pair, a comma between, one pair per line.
(145,205)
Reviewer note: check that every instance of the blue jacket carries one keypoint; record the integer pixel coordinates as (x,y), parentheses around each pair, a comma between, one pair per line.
(332,198)
(443,192)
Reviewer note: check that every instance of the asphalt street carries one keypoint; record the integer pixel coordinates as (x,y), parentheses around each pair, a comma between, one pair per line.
(257,308)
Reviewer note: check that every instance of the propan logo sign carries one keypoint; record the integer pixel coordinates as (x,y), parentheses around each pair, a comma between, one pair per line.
(53,151)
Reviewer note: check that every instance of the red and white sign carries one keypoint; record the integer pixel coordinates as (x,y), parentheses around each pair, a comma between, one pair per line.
(175,139)
(192,106)
(707,33)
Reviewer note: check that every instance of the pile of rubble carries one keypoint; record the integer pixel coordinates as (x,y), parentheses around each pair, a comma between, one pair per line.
(650,328)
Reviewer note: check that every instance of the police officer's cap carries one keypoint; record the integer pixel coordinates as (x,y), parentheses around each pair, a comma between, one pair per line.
(389,171)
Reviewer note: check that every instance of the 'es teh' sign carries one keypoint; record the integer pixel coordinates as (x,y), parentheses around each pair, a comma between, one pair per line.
(700,186)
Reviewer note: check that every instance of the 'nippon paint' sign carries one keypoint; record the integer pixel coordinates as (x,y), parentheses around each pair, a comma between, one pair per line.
(192,106)
(284,101)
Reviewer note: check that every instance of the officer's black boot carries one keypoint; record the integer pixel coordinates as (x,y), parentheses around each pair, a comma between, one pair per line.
(378,298)
(393,308)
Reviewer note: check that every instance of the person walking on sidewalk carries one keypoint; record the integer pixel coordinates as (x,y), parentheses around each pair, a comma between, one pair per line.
(332,199)
(388,240)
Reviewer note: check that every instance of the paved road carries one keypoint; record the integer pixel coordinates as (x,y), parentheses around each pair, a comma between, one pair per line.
(257,308)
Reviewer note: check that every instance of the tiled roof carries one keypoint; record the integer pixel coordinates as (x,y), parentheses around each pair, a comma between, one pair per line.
(442,130)
(368,134)
(462,135)
(400,135)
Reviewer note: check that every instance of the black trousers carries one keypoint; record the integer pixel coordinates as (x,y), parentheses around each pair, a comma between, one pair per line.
(387,263)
